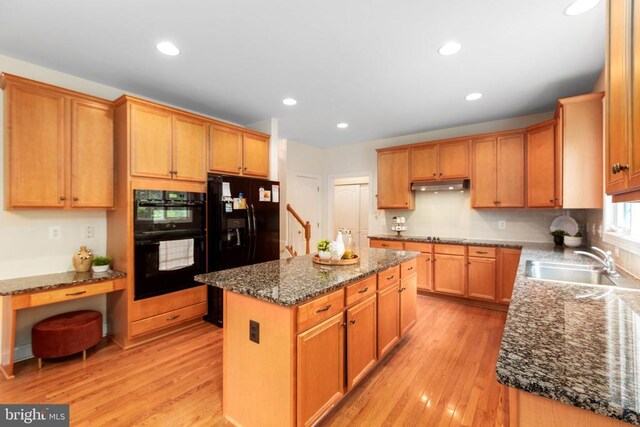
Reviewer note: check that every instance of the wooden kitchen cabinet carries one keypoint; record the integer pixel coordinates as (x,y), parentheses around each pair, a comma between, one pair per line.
(622,139)
(481,278)
(425,272)
(449,274)
(320,369)
(388,319)
(58,147)
(541,184)
(440,161)
(497,177)
(361,340)
(394,188)
(234,152)
(166,144)
(507,268)
(408,303)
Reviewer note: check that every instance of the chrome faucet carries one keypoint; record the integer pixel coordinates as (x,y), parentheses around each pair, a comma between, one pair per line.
(607,260)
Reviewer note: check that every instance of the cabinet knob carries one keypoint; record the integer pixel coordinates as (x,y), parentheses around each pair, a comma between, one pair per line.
(239,168)
(550,200)
(245,168)
(440,173)
(434,174)
(352,321)
(75,199)
(617,168)
(62,198)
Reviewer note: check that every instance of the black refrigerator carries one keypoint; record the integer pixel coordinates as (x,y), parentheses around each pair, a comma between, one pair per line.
(243,228)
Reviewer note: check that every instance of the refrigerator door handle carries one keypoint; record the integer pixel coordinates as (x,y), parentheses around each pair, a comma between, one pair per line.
(249,233)
(255,232)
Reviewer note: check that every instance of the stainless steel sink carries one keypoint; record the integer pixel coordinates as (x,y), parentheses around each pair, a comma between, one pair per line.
(567,273)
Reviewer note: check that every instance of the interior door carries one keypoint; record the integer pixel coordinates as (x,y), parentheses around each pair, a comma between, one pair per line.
(363,232)
(351,210)
(308,204)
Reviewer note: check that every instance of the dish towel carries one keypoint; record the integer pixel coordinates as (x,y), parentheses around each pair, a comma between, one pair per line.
(175,254)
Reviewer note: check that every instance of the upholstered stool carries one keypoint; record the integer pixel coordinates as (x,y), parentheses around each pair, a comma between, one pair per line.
(66,334)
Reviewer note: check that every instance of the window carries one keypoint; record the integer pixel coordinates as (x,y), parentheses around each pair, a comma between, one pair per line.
(622,225)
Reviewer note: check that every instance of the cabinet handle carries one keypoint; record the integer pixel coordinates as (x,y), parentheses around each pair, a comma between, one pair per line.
(352,321)
(617,168)
(239,168)
(434,174)
(172,317)
(75,199)
(343,324)
(410,268)
(402,290)
(362,291)
(440,173)
(62,198)
(323,309)
(550,200)
(390,277)
(76,293)
(482,252)
(384,245)
(245,168)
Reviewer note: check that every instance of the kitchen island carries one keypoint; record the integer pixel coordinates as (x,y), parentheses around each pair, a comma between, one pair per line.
(298,336)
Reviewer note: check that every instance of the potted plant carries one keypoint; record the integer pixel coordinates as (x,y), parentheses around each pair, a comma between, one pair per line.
(558,236)
(573,241)
(323,249)
(101,264)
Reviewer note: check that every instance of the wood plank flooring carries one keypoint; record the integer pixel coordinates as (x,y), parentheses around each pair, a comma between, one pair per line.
(442,374)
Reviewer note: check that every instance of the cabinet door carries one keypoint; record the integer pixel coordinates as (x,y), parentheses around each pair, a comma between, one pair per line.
(255,156)
(408,303)
(361,340)
(508,260)
(634,146)
(448,274)
(453,160)
(483,178)
(541,167)
(394,189)
(510,171)
(92,171)
(189,142)
(151,142)
(482,278)
(425,272)
(35,150)
(424,163)
(617,99)
(388,319)
(320,369)
(225,150)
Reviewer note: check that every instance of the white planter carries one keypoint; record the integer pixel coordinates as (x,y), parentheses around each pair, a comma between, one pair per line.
(99,268)
(572,242)
(324,254)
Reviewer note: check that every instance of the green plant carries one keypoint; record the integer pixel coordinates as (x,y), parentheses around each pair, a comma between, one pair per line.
(323,245)
(559,233)
(578,234)
(101,260)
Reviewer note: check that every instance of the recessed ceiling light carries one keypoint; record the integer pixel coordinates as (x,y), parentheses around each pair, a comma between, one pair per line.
(450,48)
(289,101)
(580,6)
(473,96)
(168,48)
(343,125)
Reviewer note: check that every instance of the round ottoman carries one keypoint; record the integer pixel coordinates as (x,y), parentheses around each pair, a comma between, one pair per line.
(66,334)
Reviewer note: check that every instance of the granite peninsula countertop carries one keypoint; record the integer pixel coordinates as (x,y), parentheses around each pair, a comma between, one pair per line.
(449,241)
(47,282)
(295,280)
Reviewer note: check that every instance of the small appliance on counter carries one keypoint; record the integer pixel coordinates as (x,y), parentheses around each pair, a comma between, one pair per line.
(398,225)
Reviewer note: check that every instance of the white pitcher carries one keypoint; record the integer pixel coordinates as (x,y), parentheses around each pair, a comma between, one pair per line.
(337,248)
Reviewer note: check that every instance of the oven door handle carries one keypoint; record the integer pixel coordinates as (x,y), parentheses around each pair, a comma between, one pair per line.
(143,243)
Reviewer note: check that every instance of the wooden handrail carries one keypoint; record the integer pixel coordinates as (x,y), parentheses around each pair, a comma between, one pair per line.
(305,224)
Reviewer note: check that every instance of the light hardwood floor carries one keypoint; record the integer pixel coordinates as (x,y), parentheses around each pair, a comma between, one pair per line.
(442,374)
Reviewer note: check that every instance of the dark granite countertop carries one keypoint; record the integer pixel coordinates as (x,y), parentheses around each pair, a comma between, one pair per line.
(444,241)
(46,282)
(576,344)
(295,280)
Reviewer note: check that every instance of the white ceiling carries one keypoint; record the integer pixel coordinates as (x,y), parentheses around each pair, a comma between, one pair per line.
(371,63)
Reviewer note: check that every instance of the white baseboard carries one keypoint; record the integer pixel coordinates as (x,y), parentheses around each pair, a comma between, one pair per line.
(23,352)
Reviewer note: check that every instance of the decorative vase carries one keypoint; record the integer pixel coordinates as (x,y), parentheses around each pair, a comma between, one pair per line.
(82,260)
(558,240)
(324,254)
(337,248)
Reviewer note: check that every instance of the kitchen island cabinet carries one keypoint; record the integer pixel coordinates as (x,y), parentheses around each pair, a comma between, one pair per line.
(299,336)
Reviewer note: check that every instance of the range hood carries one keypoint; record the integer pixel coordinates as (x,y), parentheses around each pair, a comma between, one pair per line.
(453,185)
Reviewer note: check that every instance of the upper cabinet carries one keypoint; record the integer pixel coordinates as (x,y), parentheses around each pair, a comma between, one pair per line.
(541,179)
(497,177)
(165,143)
(440,161)
(394,187)
(622,145)
(237,152)
(58,147)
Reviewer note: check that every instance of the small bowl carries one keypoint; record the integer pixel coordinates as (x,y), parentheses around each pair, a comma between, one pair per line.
(572,242)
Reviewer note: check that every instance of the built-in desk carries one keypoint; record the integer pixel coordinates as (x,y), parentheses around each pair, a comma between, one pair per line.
(34,291)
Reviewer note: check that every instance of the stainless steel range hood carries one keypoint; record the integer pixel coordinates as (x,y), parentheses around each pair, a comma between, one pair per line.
(453,185)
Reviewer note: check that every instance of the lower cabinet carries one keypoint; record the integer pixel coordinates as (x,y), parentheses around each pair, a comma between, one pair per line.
(408,303)
(361,340)
(448,274)
(388,319)
(320,368)
(482,278)
(507,268)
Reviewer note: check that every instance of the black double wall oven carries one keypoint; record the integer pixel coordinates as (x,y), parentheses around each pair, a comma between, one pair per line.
(170,241)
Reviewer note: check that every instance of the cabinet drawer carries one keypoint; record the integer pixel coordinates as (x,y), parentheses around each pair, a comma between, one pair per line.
(148,307)
(408,268)
(389,276)
(449,249)
(418,247)
(168,319)
(482,252)
(71,293)
(319,309)
(386,244)
(360,290)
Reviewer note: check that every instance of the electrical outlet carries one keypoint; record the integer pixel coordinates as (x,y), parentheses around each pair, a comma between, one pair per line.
(502,224)
(254,331)
(616,251)
(54,232)
(88,232)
